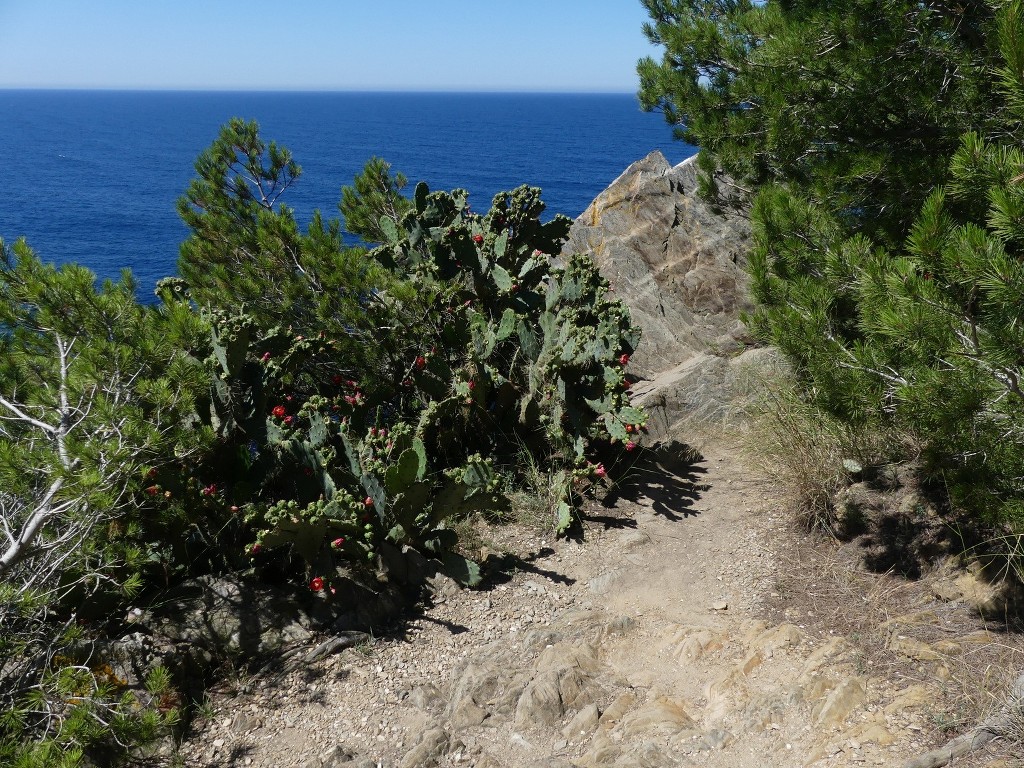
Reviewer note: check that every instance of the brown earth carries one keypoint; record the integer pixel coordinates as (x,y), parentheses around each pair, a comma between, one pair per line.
(692,626)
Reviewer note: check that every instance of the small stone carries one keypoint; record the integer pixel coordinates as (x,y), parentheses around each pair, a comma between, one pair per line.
(244,722)
(583,723)
(425,697)
(846,697)
(518,740)
(721,605)
(913,649)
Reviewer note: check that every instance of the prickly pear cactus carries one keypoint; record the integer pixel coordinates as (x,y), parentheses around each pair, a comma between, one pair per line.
(535,352)
(479,344)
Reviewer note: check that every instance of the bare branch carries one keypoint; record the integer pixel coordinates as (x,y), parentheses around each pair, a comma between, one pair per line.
(22,416)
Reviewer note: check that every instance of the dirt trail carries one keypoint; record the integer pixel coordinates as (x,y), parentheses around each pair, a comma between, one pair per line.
(646,644)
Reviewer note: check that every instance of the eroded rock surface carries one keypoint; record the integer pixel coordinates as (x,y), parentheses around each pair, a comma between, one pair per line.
(678,264)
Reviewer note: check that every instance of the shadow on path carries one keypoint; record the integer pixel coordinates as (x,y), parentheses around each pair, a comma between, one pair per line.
(501,569)
(666,474)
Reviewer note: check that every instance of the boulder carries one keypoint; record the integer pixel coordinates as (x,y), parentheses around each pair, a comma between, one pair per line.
(679,264)
(238,616)
(230,614)
(704,390)
(675,261)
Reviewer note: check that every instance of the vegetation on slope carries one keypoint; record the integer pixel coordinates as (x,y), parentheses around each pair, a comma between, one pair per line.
(878,145)
(292,409)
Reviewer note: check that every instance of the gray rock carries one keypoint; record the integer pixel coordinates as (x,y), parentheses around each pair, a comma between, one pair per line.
(425,697)
(467,714)
(231,614)
(429,751)
(661,718)
(843,699)
(583,724)
(705,390)
(244,722)
(678,264)
(551,694)
(715,739)
(134,656)
(479,682)
(601,584)
(336,757)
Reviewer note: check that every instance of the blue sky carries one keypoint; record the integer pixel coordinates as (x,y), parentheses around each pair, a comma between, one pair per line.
(489,45)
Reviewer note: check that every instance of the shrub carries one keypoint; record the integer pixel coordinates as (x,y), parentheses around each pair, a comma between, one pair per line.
(379,396)
(94,390)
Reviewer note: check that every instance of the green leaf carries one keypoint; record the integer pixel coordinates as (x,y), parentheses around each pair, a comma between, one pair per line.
(375,491)
(421,453)
(528,265)
(615,428)
(501,245)
(564,518)
(403,473)
(483,336)
(462,569)
(352,454)
(501,278)
(408,505)
(387,226)
(318,433)
(477,476)
(528,340)
(507,325)
(631,415)
(420,197)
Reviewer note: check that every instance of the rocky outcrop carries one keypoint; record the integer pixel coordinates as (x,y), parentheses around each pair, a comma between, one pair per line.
(703,391)
(232,615)
(680,267)
(678,264)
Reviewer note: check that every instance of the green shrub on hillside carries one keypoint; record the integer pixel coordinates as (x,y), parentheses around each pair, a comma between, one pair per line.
(95,394)
(368,421)
(884,174)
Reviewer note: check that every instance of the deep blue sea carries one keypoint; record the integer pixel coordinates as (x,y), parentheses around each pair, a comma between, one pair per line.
(92,176)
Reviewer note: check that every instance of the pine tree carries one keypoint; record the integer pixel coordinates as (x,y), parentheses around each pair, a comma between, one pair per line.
(375,194)
(854,105)
(95,392)
(884,174)
(246,254)
(944,319)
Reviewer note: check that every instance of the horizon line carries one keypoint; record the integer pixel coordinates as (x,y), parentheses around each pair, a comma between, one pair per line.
(169,89)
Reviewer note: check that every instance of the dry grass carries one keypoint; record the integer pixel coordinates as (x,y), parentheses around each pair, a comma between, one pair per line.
(810,454)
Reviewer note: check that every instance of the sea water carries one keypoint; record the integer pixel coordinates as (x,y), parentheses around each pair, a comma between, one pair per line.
(92,176)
